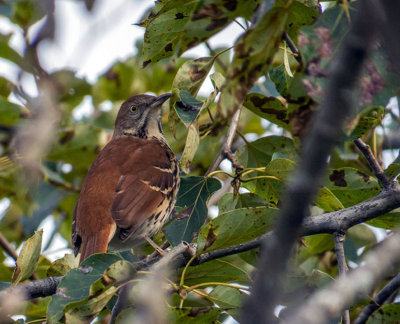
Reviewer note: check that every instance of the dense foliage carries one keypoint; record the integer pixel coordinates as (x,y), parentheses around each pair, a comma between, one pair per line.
(275,75)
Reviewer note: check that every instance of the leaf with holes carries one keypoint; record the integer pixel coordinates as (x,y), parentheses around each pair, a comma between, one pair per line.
(193,195)
(173,26)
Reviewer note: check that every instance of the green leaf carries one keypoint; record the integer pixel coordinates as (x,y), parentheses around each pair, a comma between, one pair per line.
(192,74)
(61,266)
(28,258)
(10,113)
(191,145)
(327,201)
(227,269)
(75,285)
(229,299)
(259,153)
(26,13)
(229,201)
(235,227)
(193,195)
(319,243)
(190,315)
(173,26)
(268,108)
(253,54)
(365,121)
(361,235)
(389,313)
(387,221)
(188,108)
(393,170)
(351,186)
(9,53)
(319,279)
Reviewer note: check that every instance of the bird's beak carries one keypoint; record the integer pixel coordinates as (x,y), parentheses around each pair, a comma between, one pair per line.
(161,99)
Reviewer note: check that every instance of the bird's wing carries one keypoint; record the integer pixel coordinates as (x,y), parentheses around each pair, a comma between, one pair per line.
(146,181)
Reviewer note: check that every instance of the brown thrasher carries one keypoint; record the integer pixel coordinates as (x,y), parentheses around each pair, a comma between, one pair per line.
(131,187)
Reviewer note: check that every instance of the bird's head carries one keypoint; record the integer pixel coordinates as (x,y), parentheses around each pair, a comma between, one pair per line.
(140,116)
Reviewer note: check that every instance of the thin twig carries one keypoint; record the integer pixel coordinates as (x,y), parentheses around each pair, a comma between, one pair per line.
(386,182)
(7,247)
(294,49)
(342,265)
(228,142)
(213,53)
(378,300)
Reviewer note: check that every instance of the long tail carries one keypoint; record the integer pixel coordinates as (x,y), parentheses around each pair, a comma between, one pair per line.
(93,244)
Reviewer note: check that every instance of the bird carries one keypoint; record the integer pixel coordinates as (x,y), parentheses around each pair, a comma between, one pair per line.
(131,187)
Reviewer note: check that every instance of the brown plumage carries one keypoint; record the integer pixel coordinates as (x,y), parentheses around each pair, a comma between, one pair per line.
(131,187)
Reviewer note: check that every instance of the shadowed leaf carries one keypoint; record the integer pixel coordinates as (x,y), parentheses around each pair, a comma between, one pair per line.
(193,192)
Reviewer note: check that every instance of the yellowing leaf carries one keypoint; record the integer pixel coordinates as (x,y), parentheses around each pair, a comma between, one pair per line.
(192,143)
(28,258)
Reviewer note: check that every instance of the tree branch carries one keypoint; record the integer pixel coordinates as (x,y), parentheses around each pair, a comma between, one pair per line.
(327,303)
(378,300)
(342,265)
(327,127)
(226,148)
(338,221)
(374,164)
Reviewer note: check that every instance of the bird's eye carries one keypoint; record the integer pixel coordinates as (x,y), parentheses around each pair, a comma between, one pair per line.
(133,109)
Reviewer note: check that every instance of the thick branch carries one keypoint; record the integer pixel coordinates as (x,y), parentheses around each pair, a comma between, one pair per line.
(379,299)
(333,222)
(327,128)
(329,302)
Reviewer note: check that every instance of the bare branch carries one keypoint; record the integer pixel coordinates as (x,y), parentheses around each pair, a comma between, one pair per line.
(329,302)
(226,148)
(378,300)
(342,265)
(7,247)
(374,164)
(336,106)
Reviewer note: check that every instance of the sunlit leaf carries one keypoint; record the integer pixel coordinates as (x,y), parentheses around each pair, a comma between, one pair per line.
(28,258)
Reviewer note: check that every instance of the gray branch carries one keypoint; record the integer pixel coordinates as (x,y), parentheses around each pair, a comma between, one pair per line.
(327,127)
(333,222)
(327,303)
(379,299)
